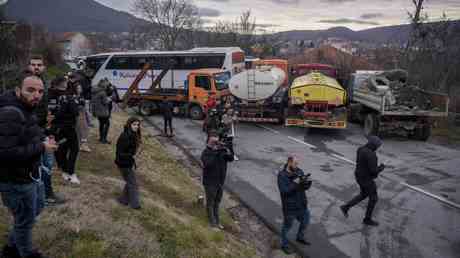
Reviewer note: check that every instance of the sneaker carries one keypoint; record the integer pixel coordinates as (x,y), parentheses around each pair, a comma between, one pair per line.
(344,210)
(302,241)
(370,222)
(10,252)
(54,200)
(66,176)
(220,226)
(74,179)
(287,250)
(235,158)
(85,148)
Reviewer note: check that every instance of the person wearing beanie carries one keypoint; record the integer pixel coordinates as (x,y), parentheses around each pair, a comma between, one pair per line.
(366,172)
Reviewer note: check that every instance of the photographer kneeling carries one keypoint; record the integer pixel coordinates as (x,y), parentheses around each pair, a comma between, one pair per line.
(293,183)
(214,159)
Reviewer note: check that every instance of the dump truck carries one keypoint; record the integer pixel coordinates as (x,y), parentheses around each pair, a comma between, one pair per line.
(317,101)
(384,102)
(190,101)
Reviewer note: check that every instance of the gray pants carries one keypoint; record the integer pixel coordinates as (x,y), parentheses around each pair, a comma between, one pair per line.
(213,199)
(130,195)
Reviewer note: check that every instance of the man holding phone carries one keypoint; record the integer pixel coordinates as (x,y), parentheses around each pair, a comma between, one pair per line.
(365,173)
(21,147)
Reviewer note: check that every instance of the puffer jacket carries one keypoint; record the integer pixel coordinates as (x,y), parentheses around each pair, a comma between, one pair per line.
(126,149)
(366,162)
(100,102)
(21,141)
(293,196)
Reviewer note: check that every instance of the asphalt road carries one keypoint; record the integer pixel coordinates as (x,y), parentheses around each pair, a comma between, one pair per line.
(417,192)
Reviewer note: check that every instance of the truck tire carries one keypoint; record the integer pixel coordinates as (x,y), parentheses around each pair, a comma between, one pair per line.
(146,108)
(371,124)
(423,133)
(196,113)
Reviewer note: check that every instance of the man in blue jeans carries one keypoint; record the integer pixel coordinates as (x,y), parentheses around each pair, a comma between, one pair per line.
(21,146)
(292,185)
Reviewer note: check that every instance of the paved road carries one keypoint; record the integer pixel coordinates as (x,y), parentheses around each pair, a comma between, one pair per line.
(413,224)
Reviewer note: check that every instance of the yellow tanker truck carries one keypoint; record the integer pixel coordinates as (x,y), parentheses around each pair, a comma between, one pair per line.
(317,101)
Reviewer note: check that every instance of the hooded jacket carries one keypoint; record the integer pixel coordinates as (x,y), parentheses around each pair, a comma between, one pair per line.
(293,196)
(100,101)
(21,139)
(366,162)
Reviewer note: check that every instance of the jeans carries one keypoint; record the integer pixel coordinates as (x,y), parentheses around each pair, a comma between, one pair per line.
(213,198)
(46,169)
(304,220)
(24,202)
(104,124)
(130,195)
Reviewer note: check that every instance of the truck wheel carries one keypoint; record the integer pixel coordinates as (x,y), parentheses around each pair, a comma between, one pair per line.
(423,133)
(371,124)
(146,108)
(196,113)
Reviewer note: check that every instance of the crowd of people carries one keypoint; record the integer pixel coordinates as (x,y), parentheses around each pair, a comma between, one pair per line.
(41,125)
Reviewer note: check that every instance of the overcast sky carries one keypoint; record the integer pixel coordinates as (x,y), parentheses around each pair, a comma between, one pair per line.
(282,15)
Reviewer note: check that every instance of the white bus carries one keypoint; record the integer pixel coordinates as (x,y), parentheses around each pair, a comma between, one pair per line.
(121,68)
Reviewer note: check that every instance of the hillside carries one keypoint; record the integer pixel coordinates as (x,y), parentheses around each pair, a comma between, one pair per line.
(65,15)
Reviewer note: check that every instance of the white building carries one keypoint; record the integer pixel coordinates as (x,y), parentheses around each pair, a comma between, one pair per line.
(74,44)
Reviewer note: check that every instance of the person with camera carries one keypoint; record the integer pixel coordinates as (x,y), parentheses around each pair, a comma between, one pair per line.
(214,159)
(365,173)
(66,105)
(292,184)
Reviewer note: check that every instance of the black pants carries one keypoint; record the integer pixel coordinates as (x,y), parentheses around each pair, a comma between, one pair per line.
(168,123)
(67,153)
(368,189)
(213,198)
(130,195)
(104,125)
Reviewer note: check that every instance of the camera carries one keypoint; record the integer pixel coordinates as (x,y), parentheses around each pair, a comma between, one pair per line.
(305,181)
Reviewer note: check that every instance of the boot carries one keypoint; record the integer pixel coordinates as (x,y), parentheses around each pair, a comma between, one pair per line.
(344,209)
(370,222)
(10,252)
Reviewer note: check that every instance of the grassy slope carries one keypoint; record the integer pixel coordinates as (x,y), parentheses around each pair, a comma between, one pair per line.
(92,224)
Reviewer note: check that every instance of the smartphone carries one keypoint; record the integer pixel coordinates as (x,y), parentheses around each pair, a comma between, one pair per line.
(61,141)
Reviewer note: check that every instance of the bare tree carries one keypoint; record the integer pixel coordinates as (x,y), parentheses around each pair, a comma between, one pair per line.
(169,19)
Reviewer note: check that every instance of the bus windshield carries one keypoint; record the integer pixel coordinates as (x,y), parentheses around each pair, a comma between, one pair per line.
(222,80)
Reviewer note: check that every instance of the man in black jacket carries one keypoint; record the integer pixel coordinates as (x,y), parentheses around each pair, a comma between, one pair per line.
(214,159)
(292,184)
(37,67)
(167,110)
(21,146)
(365,173)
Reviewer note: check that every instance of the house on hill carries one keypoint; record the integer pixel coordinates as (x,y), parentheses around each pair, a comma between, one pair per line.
(74,44)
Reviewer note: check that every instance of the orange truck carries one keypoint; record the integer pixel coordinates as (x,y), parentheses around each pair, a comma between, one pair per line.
(189,101)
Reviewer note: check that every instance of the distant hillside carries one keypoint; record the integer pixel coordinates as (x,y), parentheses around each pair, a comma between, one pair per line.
(398,33)
(70,15)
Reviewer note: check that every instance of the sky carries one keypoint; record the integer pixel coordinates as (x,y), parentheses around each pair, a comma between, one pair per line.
(284,15)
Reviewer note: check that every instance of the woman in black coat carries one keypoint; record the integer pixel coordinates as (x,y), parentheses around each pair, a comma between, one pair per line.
(127,147)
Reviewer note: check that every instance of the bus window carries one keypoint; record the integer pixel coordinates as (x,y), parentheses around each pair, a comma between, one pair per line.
(94,63)
(203,82)
(119,63)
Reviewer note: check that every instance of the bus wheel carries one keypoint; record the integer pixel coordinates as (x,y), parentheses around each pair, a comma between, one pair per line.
(196,113)
(146,108)
(371,124)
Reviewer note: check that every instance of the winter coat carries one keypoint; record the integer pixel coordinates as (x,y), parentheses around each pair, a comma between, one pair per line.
(100,102)
(65,109)
(215,166)
(42,109)
(126,149)
(293,196)
(167,109)
(21,141)
(366,163)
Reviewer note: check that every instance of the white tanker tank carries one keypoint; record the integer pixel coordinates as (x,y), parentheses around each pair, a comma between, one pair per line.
(257,84)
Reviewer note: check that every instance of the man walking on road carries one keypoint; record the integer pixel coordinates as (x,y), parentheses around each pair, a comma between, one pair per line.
(292,184)
(167,110)
(365,173)
(21,147)
(214,159)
